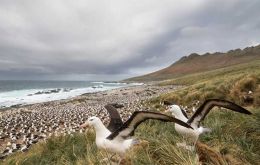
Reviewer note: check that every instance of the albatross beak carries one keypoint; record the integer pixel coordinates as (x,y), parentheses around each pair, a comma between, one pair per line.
(167,110)
(85,125)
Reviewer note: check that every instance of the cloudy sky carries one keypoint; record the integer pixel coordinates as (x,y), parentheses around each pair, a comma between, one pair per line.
(112,40)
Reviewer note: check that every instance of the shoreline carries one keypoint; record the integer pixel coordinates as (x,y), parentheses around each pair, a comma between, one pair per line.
(71,99)
(31,94)
(21,125)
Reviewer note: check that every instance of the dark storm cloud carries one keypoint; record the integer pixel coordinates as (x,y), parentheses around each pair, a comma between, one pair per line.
(56,39)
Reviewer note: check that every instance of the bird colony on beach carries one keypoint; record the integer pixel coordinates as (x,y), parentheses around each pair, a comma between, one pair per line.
(24,126)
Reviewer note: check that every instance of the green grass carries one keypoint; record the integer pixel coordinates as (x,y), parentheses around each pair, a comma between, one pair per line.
(75,149)
(231,83)
(241,69)
(235,134)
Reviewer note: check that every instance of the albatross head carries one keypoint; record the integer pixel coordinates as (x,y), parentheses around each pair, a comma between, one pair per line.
(172,108)
(176,111)
(92,121)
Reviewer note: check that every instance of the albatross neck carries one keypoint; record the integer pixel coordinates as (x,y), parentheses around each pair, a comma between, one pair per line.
(176,111)
(101,130)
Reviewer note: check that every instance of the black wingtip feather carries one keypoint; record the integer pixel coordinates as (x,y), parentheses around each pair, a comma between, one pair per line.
(237,107)
(210,103)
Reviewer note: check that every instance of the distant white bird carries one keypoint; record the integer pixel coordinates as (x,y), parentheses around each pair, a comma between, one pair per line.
(119,141)
(192,135)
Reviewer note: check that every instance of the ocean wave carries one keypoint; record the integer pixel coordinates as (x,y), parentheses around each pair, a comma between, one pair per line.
(31,96)
(109,83)
(97,82)
(23,97)
(137,83)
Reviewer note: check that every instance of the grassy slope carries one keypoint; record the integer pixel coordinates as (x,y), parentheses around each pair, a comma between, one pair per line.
(195,63)
(235,136)
(229,83)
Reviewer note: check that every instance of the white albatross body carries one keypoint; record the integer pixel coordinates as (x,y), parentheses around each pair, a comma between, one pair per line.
(192,135)
(116,145)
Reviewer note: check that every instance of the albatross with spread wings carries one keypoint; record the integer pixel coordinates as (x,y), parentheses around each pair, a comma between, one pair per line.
(120,141)
(192,135)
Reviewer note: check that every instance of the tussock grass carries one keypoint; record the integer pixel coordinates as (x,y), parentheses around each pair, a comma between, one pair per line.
(235,134)
(240,84)
(162,148)
(59,150)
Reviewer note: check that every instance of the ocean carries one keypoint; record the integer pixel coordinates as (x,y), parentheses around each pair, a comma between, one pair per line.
(28,92)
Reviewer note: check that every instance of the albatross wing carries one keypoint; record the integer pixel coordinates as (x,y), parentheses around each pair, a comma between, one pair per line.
(128,128)
(204,109)
(115,119)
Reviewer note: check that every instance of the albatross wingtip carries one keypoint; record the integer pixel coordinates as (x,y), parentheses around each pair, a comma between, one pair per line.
(245,111)
(248,112)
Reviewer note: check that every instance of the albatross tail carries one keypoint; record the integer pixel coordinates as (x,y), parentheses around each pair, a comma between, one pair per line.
(203,130)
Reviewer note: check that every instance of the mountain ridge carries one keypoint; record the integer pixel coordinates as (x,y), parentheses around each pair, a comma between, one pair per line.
(195,63)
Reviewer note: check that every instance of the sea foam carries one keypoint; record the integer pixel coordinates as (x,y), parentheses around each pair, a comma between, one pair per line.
(31,96)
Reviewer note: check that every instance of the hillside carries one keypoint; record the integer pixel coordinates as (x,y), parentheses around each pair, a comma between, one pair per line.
(195,63)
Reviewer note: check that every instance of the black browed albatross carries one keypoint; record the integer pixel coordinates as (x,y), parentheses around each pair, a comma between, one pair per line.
(120,140)
(192,135)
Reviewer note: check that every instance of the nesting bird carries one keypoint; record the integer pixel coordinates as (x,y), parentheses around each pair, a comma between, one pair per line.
(120,141)
(192,135)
